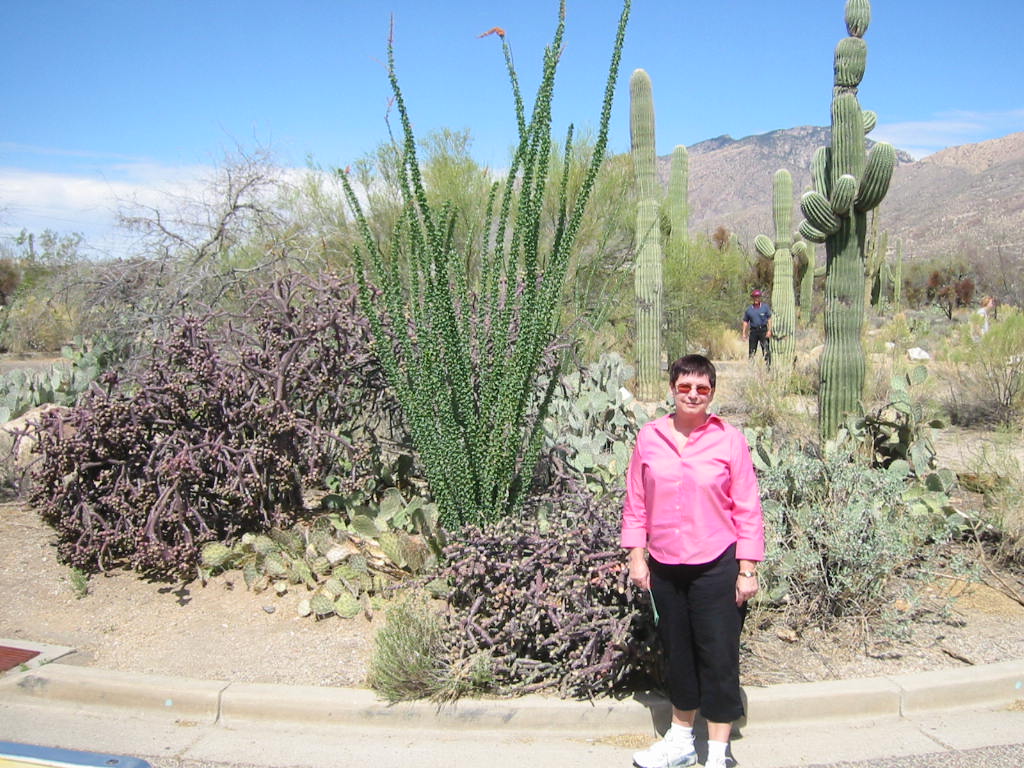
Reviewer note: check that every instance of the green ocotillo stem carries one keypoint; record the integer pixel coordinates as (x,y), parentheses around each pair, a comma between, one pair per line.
(647,283)
(678,205)
(783,297)
(641,133)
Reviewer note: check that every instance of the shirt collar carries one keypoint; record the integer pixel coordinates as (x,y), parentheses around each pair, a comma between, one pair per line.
(664,423)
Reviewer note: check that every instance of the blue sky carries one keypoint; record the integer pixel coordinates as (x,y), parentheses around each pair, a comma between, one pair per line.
(109,99)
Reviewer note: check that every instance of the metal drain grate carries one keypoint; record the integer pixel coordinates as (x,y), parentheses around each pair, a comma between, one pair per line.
(12,657)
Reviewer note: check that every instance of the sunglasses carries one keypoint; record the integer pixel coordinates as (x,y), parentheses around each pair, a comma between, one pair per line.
(684,389)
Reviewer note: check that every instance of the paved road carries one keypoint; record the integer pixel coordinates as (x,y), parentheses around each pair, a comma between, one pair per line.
(971,739)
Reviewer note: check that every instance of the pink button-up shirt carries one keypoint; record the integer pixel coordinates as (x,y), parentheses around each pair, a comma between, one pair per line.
(689,506)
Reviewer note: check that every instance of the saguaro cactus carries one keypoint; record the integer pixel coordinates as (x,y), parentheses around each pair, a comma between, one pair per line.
(848,183)
(678,203)
(676,209)
(807,284)
(783,296)
(897,277)
(647,271)
(874,286)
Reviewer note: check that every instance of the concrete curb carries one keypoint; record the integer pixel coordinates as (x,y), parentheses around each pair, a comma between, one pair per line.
(226,703)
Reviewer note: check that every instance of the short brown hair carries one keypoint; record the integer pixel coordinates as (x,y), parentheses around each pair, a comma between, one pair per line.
(692,364)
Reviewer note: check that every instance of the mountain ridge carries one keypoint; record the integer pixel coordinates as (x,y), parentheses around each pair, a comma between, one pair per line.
(964,200)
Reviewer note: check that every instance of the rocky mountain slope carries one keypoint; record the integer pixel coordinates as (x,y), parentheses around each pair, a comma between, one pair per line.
(966,200)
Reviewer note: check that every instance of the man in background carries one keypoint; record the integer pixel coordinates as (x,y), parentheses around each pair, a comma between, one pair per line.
(757,327)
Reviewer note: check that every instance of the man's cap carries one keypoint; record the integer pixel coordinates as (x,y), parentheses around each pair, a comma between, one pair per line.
(755,292)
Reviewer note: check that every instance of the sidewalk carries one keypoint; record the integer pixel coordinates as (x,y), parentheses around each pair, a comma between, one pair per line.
(227,703)
(176,722)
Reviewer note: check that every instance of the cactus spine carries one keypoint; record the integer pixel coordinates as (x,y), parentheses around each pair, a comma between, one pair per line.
(839,219)
(647,271)
(778,250)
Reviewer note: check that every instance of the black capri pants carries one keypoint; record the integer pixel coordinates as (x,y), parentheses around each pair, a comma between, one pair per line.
(699,626)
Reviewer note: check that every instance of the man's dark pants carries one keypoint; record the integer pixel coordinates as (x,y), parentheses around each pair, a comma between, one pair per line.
(759,335)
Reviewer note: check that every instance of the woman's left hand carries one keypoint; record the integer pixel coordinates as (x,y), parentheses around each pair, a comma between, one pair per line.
(746,588)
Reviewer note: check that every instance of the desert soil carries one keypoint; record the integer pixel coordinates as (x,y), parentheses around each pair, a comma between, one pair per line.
(223,631)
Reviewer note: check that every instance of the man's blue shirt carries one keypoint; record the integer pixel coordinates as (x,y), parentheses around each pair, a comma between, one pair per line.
(757,316)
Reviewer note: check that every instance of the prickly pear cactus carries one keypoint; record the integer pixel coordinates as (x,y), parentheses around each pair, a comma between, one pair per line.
(849,183)
(778,250)
(647,271)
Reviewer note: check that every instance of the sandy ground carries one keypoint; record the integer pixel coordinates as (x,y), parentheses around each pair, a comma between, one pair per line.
(223,631)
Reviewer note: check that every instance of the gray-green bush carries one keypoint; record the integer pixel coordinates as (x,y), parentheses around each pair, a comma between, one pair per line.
(838,534)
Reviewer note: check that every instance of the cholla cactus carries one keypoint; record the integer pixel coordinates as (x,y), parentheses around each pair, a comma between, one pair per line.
(849,183)
(778,250)
(647,271)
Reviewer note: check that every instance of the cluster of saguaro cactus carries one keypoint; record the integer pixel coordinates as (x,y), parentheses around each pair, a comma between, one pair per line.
(778,250)
(848,183)
(647,272)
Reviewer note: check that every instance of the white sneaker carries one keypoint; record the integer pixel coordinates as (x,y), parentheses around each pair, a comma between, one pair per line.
(728,762)
(667,753)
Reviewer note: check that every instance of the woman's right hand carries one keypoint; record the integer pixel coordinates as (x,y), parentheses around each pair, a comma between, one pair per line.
(639,571)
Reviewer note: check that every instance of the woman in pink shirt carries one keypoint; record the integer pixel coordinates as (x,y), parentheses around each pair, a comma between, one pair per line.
(693,527)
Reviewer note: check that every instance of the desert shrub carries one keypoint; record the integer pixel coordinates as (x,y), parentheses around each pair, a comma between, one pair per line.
(987,385)
(765,400)
(214,436)
(37,324)
(998,474)
(547,598)
(838,533)
(411,660)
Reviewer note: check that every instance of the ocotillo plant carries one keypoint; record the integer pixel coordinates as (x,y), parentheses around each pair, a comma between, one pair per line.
(467,339)
(848,184)
(783,297)
(647,271)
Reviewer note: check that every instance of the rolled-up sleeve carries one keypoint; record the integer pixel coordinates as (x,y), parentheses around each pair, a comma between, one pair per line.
(634,511)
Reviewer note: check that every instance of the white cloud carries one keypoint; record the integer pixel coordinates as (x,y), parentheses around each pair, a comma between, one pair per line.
(949,129)
(88,204)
